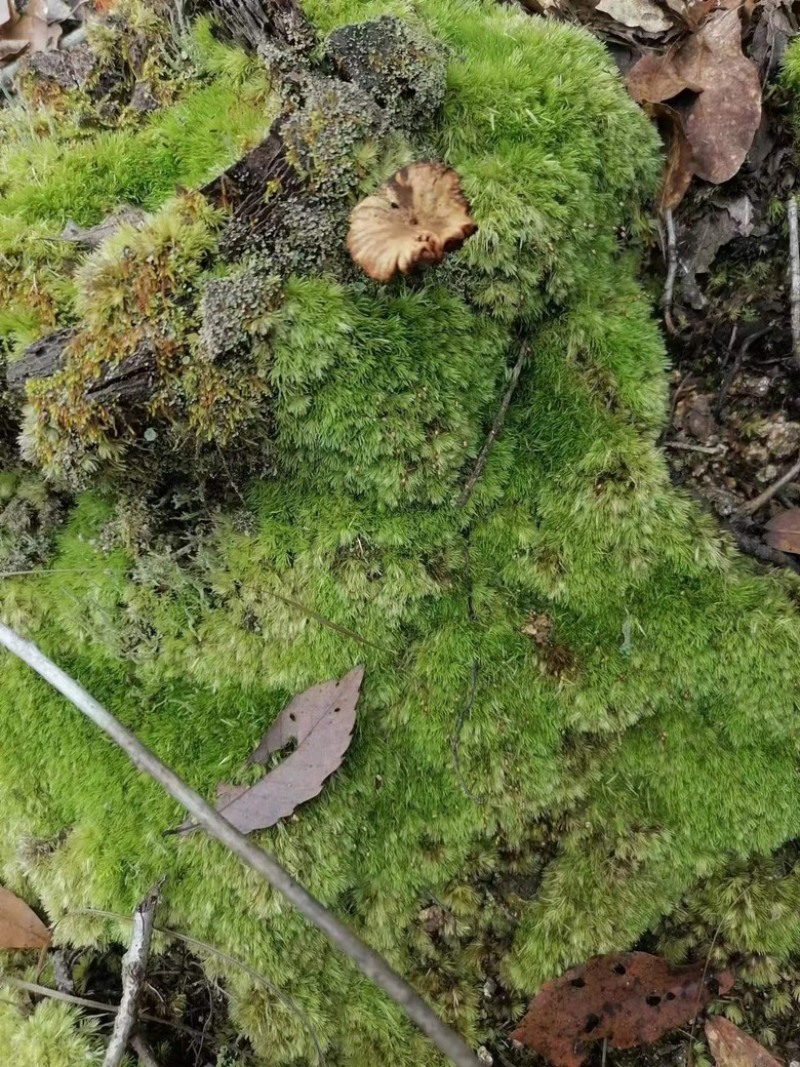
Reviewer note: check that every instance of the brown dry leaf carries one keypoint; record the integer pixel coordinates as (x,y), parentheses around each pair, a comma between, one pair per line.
(630,998)
(678,170)
(321,722)
(414,219)
(20,928)
(30,31)
(732,1048)
(722,121)
(783,531)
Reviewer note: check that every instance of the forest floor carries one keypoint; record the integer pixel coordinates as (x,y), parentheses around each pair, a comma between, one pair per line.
(732,435)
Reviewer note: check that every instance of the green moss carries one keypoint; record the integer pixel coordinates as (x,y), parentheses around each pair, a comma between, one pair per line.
(51,1036)
(647,739)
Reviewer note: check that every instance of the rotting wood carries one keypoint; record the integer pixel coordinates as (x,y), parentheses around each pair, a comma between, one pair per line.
(254,22)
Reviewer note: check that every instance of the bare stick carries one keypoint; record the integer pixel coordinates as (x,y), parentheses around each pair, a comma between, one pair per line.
(497,426)
(672,270)
(684,446)
(134,963)
(753,505)
(369,962)
(794,259)
(143,1051)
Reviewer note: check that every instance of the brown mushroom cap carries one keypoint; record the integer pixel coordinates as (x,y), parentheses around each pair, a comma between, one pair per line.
(414,219)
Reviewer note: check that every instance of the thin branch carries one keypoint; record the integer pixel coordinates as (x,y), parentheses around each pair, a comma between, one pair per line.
(753,546)
(462,718)
(194,942)
(672,270)
(497,425)
(134,964)
(684,446)
(143,1051)
(794,260)
(758,502)
(92,1005)
(369,962)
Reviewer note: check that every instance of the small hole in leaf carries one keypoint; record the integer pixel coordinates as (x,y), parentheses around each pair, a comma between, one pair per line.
(619,968)
(337,709)
(292,717)
(670,996)
(653,1000)
(592,1022)
(579,983)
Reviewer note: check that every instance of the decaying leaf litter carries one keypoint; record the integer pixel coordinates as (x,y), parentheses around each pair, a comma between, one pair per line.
(711,80)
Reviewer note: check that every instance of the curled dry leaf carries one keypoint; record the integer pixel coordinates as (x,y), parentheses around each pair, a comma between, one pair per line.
(30,31)
(720,123)
(732,1048)
(20,927)
(783,531)
(414,219)
(320,721)
(631,999)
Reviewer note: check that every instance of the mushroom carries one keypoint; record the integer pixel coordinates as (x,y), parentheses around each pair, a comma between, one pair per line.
(414,219)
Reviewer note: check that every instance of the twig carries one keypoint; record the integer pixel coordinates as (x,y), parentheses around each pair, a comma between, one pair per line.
(91,1005)
(684,446)
(134,964)
(369,962)
(462,718)
(672,270)
(194,942)
(143,1051)
(752,546)
(737,366)
(674,406)
(753,505)
(497,426)
(794,259)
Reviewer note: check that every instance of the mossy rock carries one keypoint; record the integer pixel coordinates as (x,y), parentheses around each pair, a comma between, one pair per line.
(634,719)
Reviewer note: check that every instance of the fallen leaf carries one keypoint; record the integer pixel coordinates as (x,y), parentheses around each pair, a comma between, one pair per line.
(783,531)
(772,34)
(631,999)
(5,12)
(678,169)
(732,1048)
(643,14)
(414,219)
(20,928)
(721,121)
(30,31)
(320,721)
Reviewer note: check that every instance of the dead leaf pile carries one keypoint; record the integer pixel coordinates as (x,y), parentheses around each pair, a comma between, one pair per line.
(320,722)
(709,94)
(631,999)
(20,927)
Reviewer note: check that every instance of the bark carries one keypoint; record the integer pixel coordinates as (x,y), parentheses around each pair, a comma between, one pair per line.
(130,381)
(255,22)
